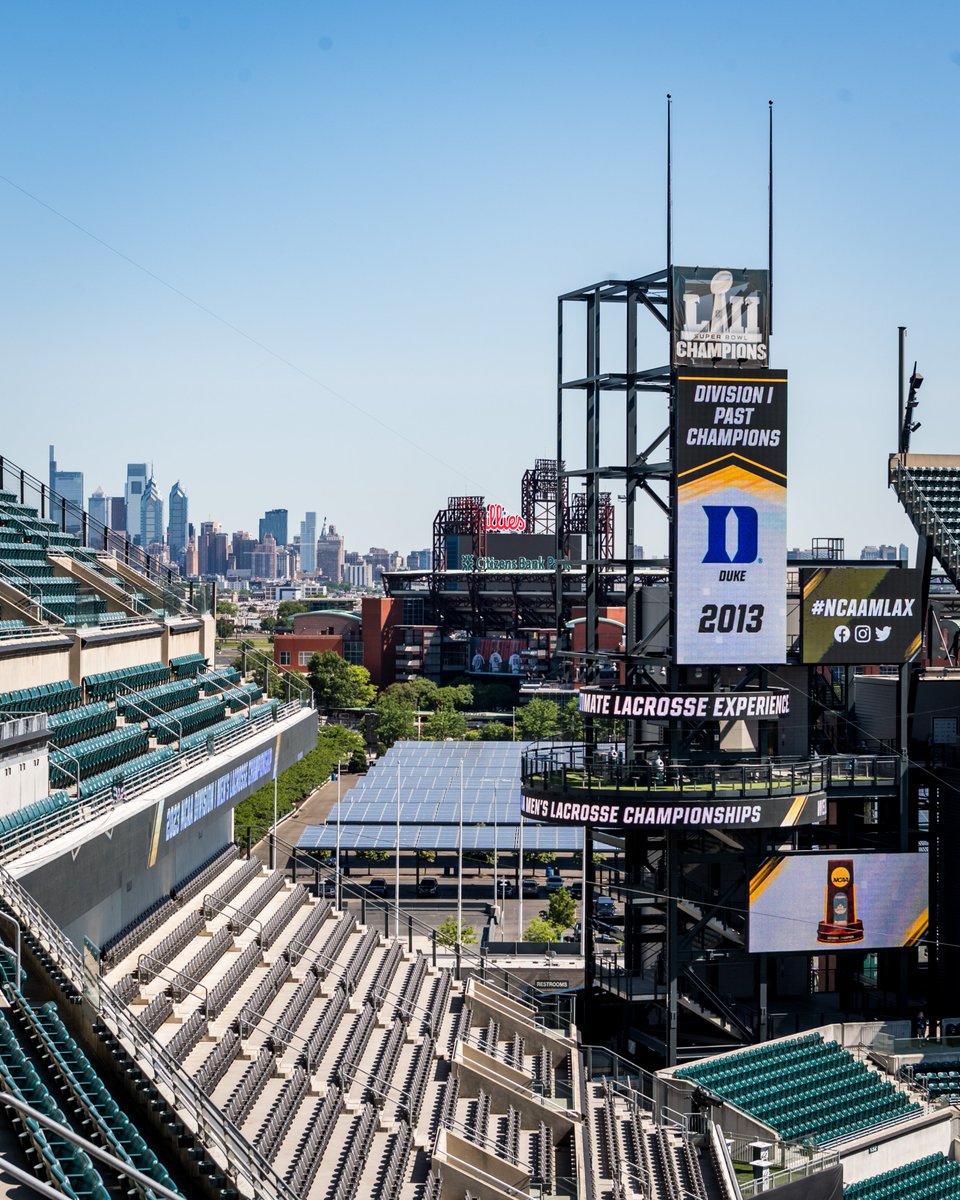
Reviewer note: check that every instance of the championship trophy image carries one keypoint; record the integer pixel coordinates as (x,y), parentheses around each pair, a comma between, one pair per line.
(840,922)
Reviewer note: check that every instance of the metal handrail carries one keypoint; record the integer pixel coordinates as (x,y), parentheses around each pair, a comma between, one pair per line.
(37,833)
(31,594)
(185,1094)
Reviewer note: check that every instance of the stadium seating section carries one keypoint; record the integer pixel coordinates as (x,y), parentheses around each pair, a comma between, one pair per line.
(932,1178)
(806,1089)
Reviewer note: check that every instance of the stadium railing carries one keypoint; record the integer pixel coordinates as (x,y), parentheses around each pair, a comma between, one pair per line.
(243,1161)
(37,833)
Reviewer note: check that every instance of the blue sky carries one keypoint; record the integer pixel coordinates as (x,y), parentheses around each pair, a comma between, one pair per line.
(345,227)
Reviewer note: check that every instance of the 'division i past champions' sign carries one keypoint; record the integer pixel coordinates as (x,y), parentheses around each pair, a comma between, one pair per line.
(731,516)
(720,316)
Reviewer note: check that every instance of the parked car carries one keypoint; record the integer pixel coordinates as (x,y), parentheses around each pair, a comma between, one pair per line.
(529,886)
(554,884)
(328,888)
(604,908)
(505,888)
(428,886)
(576,889)
(377,885)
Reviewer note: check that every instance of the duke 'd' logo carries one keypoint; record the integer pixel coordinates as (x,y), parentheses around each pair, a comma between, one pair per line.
(744,530)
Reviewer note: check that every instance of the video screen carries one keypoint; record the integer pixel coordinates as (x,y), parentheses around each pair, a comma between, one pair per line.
(833,901)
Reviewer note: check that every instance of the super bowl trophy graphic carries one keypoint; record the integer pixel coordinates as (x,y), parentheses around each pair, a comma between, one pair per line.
(840,924)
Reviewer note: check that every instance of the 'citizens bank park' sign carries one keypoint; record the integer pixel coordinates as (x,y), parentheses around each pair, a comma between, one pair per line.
(731,516)
(720,316)
(702,706)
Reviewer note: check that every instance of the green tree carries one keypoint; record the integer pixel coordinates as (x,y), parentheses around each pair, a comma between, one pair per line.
(395,720)
(540,930)
(455,697)
(427,856)
(334,744)
(571,721)
(375,856)
(339,684)
(537,720)
(538,858)
(268,624)
(415,693)
(443,724)
(562,909)
(225,627)
(496,731)
(289,608)
(446,933)
(227,608)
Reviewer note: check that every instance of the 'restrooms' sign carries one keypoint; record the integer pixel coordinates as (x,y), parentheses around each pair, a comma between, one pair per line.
(731,516)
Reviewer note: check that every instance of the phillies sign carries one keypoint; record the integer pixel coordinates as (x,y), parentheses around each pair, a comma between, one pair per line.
(499,522)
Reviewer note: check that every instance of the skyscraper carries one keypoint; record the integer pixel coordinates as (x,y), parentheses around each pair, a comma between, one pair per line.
(66,485)
(98,507)
(133,494)
(274,522)
(308,544)
(330,553)
(151,515)
(177,533)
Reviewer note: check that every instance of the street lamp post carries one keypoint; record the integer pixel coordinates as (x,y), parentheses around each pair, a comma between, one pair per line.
(336,888)
(396,886)
(520,885)
(460,871)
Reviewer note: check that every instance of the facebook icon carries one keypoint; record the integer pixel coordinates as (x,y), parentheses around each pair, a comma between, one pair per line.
(747,533)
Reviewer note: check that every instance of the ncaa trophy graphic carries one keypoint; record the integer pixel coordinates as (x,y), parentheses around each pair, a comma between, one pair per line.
(840,922)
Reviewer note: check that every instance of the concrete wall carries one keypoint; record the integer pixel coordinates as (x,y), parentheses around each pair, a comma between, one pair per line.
(96,880)
(881,1154)
(185,638)
(93,655)
(24,777)
(23,665)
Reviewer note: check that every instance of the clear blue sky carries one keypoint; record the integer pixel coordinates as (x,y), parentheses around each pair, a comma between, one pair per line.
(386,199)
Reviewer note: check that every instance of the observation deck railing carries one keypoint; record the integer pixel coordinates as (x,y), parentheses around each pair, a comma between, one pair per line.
(579,769)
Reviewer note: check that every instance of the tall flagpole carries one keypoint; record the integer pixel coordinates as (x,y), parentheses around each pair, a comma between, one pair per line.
(336,890)
(770,224)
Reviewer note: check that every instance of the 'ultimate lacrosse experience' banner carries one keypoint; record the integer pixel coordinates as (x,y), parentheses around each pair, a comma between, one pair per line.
(731,516)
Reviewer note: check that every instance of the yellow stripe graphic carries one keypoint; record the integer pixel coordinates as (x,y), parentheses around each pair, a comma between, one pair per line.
(794,811)
(765,876)
(157,829)
(726,458)
(917,929)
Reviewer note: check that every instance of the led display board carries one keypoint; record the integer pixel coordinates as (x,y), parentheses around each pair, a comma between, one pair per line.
(731,516)
(694,706)
(834,901)
(720,316)
(648,809)
(860,614)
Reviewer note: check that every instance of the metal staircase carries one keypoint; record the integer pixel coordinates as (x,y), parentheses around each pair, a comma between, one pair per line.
(930,495)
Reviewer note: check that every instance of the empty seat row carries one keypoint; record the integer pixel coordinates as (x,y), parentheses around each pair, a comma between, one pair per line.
(48,698)
(175,724)
(161,698)
(215,681)
(118,776)
(96,754)
(24,817)
(104,686)
(84,722)
(187,665)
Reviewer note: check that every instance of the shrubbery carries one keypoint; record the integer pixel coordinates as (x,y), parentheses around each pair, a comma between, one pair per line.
(334,744)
